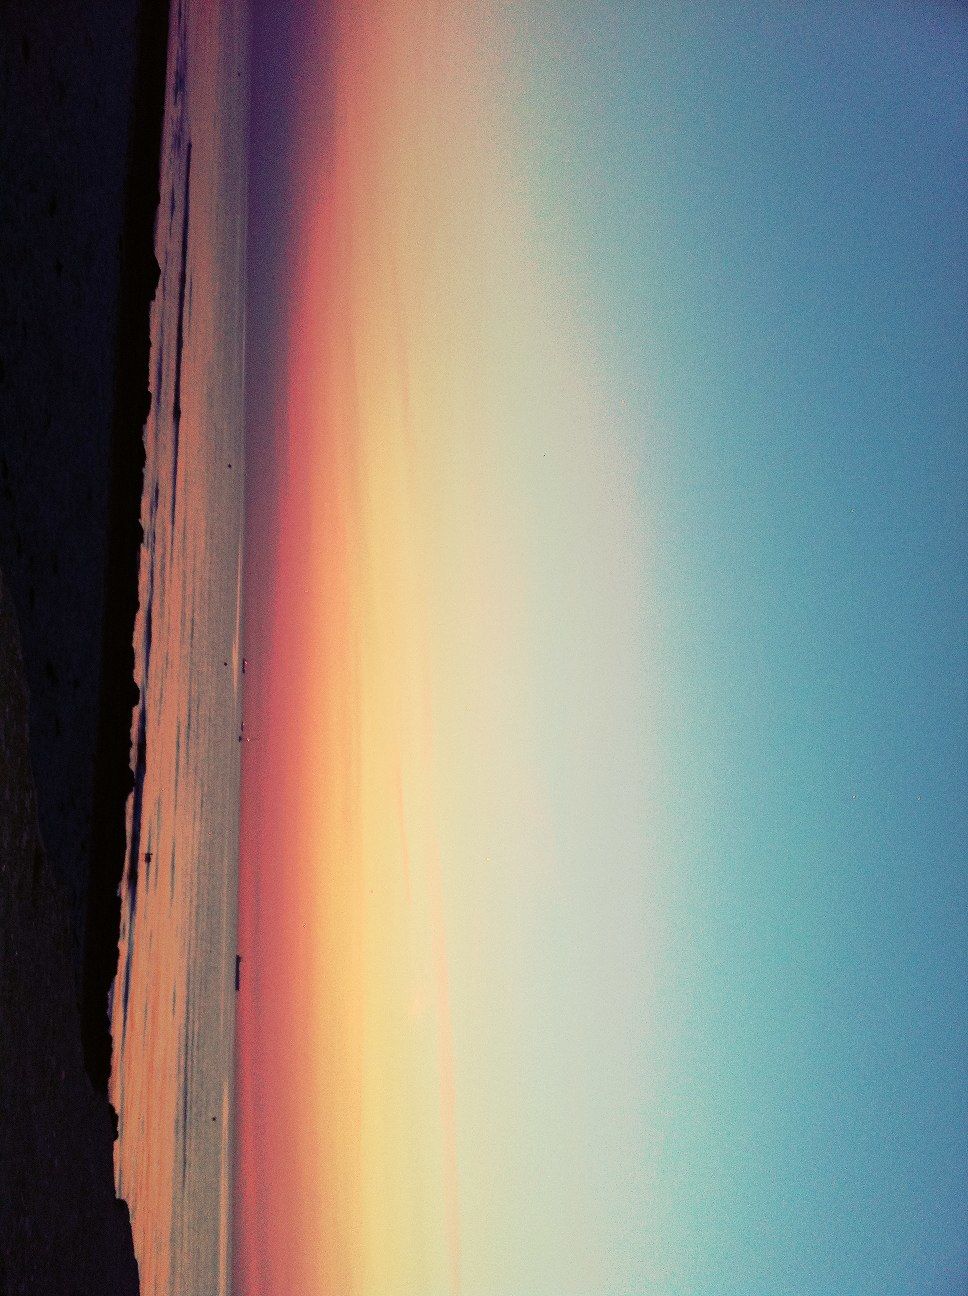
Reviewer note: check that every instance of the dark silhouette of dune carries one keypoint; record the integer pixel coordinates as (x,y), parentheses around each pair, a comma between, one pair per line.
(118,693)
(62,1229)
(81,103)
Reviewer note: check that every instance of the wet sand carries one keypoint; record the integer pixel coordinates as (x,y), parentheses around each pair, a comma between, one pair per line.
(173,1001)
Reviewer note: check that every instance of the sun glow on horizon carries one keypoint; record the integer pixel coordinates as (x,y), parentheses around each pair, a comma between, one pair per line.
(589,584)
(351,929)
(441,463)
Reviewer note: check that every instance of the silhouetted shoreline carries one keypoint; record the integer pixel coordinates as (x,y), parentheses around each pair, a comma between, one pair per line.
(81,104)
(118,693)
(62,1229)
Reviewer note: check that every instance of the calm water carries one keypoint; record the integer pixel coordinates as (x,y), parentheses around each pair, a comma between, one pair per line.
(173,1003)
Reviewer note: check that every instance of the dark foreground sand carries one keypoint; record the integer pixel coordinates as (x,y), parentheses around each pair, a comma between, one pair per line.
(90,540)
(81,93)
(62,1230)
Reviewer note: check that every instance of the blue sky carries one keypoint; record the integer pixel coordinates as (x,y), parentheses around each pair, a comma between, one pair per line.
(767,226)
(687,389)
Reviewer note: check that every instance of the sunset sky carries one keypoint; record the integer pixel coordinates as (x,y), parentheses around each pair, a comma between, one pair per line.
(603,899)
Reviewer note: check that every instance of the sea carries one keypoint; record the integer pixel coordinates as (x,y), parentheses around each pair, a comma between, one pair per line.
(173,999)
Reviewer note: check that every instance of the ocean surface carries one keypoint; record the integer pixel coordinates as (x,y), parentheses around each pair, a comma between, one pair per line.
(173,1000)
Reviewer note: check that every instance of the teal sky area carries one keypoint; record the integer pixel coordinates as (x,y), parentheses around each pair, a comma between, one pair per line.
(696,564)
(764,216)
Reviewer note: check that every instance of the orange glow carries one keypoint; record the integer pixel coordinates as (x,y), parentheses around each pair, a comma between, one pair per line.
(347,1142)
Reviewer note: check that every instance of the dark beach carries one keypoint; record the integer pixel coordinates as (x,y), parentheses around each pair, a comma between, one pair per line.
(81,99)
(62,1229)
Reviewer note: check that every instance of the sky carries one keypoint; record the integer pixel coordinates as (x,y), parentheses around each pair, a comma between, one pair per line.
(603,898)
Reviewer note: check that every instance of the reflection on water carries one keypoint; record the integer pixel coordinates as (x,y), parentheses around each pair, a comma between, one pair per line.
(173,1009)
